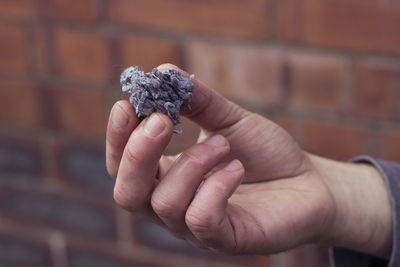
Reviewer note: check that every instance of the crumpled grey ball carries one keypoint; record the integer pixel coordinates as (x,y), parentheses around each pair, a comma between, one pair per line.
(168,92)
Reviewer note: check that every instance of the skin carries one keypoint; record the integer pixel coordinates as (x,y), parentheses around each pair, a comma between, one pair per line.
(246,187)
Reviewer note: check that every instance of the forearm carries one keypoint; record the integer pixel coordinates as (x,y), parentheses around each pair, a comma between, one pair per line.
(363,217)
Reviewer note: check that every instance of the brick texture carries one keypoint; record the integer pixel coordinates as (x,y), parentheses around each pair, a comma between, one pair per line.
(20,157)
(242,73)
(83,258)
(377,90)
(13,54)
(315,82)
(17,9)
(19,252)
(19,103)
(83,166)
(43,45)
(352,25)
(337,141)
(81,112)
(149,53)
(77,111)
(82,56)
(57,212)
(224,18)
(85,11)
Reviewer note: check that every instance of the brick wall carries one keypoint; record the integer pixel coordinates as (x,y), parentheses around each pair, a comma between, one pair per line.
(328,71)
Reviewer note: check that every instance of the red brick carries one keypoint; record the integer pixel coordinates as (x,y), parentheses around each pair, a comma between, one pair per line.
(244,73)
(315,82)
(13,55)
(21,9)
(42,53)
(222,17)
(78,257)
(80,112)
(85,11)
(82,56)
(376,88)
(82,165)
(60,211)
(20,157)
(337,141)
(19,103)
(16,251)
(391,146)
(354,25)
(149,53)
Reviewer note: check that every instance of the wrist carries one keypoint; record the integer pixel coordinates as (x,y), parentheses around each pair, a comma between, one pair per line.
(363,216)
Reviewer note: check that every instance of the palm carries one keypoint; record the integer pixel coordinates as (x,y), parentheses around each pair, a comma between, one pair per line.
(278,211)
(280,197)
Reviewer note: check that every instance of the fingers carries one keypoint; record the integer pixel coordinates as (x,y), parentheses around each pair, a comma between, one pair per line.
(176,189)
(139,162)
(208,108)
(121,123)
(207,216)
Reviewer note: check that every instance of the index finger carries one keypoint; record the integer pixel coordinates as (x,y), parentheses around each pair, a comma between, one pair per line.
(140,161)
(121,123)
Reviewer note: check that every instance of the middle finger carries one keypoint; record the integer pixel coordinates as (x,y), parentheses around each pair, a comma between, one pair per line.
(177,188)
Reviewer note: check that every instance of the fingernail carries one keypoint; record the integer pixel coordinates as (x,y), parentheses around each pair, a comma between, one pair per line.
(216,141)
(119,118)
(154,126)
(233,166)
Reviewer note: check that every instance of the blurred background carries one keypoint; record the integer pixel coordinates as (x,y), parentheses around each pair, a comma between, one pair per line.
(328,71)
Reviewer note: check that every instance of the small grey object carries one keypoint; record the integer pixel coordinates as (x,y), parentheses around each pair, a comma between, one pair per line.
(167,92)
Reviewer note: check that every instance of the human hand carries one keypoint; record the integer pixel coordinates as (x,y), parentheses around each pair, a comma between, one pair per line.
(245,187)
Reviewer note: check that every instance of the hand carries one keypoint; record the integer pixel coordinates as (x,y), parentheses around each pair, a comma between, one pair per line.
(245,187)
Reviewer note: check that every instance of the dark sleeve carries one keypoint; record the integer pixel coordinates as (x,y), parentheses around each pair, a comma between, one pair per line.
(347,258)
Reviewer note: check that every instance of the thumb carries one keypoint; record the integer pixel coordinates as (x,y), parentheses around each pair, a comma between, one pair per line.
(209,110)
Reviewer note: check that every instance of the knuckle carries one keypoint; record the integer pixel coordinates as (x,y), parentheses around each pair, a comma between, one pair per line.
(202,226)
(197,221)
(163,207)
(113,146)
(126,200)
(121,198)
(194,157)
(132,156)
(202,154)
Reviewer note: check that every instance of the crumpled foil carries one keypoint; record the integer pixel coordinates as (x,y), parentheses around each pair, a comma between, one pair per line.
(167,92)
